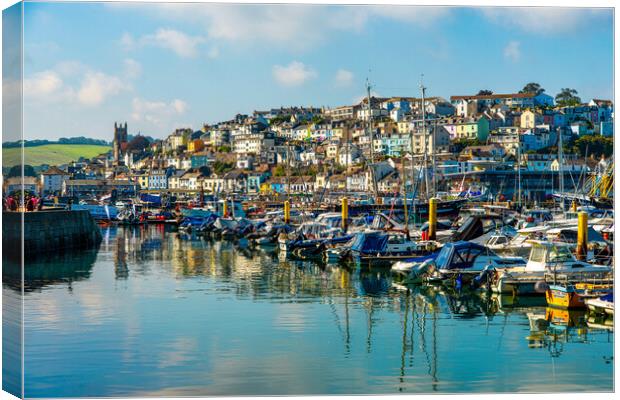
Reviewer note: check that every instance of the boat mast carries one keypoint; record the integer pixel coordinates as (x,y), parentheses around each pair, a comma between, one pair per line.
(519,168)
(372,136)
(372,153)
(434,161)
(561,168)
(404,187)
(423,89)
(413,178)
(348,156)
(288,169)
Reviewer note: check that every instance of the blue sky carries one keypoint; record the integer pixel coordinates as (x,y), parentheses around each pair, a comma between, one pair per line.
(162,66)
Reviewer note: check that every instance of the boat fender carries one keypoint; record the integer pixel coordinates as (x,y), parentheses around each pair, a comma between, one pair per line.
(483,277)
(541,287)
(459,281)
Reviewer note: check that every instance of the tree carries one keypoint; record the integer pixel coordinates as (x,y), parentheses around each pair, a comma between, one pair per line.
(317,119)
(593,145)
(138,143)
(16,170)
(567,97)
(485,92)
(221,167)
(279,170)
(532,87)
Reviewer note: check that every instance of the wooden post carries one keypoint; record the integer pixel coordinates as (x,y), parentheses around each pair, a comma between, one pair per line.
(432,219)
(582,236)
(287,212)
(225,209)
(345,213)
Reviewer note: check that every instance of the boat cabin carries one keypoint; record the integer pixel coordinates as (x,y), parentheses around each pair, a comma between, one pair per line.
(470,256)
(558,256)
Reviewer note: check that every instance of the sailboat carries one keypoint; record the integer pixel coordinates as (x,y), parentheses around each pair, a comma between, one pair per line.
(597,190)
(417,201)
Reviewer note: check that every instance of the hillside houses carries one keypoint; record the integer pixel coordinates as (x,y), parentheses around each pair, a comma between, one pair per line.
(470,132)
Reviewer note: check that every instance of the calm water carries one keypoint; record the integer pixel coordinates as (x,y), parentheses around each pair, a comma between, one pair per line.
(157,313)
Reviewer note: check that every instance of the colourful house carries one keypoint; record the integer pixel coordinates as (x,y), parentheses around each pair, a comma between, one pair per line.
(472,129)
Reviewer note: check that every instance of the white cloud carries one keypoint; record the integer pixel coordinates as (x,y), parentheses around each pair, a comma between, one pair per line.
(512,51)
(96,87)
(297,25)
(133,69)
(344,77)
(156,112)
(545,20)
(294,74)
(42,84)
(74,83)
(179,42)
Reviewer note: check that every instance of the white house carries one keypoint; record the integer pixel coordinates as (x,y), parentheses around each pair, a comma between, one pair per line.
(52,180)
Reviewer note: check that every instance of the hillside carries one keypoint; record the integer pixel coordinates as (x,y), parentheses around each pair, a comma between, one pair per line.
(52,154)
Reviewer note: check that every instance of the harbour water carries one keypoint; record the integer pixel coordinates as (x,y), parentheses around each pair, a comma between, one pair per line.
(154,312)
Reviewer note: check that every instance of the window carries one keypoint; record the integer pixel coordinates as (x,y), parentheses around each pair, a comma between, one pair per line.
(538,254)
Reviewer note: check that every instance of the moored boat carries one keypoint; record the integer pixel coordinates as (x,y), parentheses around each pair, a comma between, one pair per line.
(545,257)
(602,305)
(564,294)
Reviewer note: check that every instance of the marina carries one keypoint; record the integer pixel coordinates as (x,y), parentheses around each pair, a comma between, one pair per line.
(213,200)
(176,312)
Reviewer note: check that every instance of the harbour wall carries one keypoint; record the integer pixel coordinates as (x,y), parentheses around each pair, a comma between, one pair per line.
(48,231)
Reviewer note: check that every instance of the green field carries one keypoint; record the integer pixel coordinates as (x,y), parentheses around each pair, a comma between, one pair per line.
(51,154)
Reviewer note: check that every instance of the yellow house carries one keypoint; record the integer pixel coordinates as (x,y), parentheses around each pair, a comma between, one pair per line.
(265,188)
(195,145)
(143,181)
(530,119)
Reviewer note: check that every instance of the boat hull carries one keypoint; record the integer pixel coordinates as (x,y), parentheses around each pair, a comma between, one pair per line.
(559,296)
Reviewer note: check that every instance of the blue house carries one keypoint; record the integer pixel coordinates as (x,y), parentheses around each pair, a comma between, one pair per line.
(200,159)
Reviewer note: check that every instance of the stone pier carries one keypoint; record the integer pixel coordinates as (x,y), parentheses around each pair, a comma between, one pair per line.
(48,231)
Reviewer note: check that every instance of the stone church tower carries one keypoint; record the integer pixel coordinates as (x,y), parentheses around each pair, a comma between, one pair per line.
(120,137)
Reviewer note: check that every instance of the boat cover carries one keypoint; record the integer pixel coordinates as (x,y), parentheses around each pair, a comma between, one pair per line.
(150,198)
(459,255)
(370,243)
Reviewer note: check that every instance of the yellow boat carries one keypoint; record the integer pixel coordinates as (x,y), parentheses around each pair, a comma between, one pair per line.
(573,295)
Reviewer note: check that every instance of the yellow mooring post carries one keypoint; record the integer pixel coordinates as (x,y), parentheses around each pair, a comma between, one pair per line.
(582,236)
(345,213)
(287,212)
(225,209)
(432,219)
(574,206)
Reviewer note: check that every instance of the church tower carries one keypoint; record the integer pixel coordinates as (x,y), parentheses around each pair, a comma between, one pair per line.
(120,137)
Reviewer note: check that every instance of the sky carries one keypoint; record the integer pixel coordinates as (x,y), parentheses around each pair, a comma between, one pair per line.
(164,66)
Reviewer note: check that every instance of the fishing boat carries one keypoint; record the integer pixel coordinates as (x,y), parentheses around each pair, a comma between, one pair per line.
(563,293)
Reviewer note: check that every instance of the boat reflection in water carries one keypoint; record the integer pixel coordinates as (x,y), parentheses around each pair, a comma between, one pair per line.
(181,315)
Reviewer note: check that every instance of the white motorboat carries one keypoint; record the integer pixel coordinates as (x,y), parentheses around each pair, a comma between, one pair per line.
(545,257)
